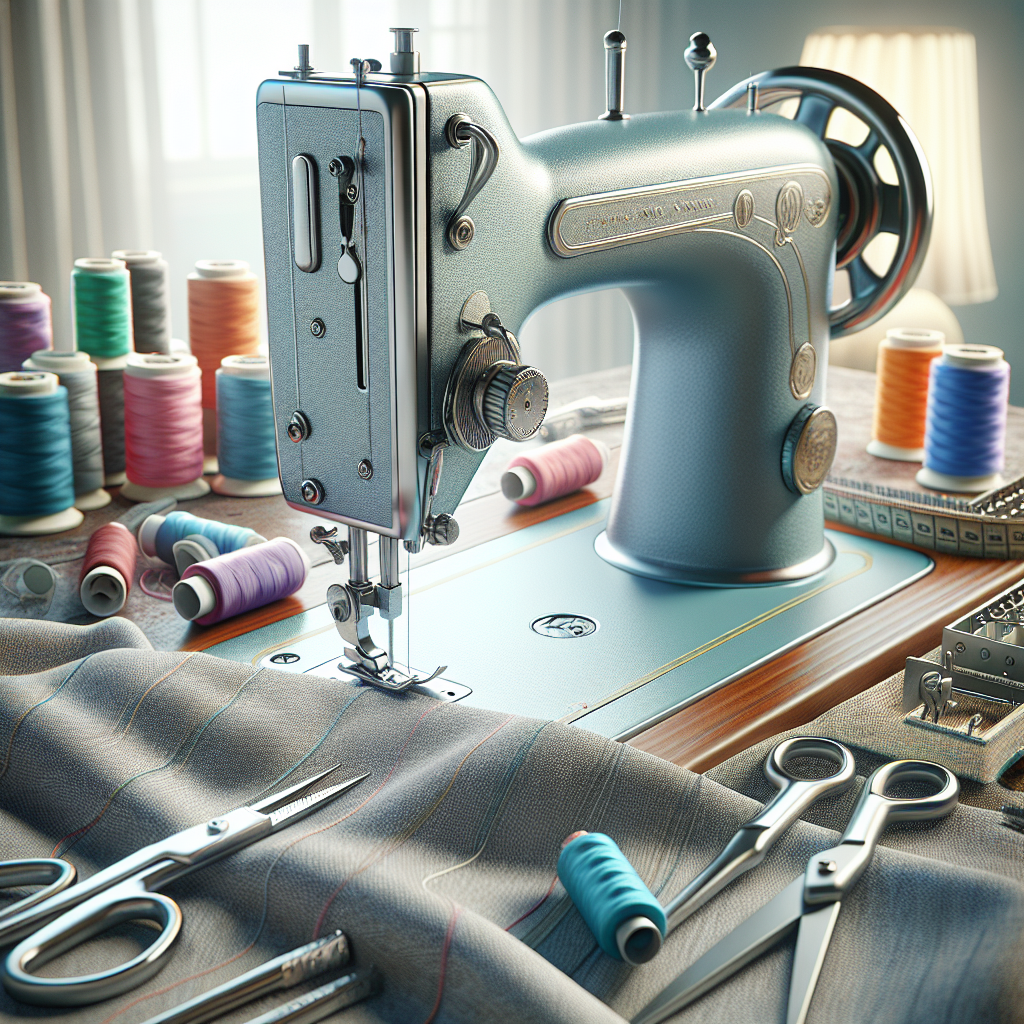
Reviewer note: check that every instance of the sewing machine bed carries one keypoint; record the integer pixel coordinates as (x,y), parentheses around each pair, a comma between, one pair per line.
(656,647)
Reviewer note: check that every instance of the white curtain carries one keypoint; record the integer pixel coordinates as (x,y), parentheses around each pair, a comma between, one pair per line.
(131,123)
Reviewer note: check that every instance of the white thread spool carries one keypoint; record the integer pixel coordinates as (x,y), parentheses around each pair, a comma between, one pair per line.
(253,368)
(23,386)
(65,363)
(153,365)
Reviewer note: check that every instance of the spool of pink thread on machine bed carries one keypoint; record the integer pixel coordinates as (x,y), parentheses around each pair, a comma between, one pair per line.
(555,470)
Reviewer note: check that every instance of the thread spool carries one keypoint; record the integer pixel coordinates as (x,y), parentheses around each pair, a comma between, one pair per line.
(77,373)
(151,300)
(555,470)
(101,305)
(901,393)
(25,324)
(37,491)
(163,428)
(108,570)
(246,442)
(965,435)
(194,548)
(159,534)
(223,320)
(32,582)
(626,919)
(239,581)
(110,385)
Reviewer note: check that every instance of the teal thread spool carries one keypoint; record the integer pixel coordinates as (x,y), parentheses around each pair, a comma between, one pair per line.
(246,443)
(626,919)
(37,488)
(158,534)
(102,303)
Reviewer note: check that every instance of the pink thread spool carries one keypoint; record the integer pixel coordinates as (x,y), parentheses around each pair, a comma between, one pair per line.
(555,470)
(163,421)
(240,581)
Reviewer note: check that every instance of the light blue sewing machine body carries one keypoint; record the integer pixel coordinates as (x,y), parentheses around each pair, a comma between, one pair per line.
(720,309)
(409,234)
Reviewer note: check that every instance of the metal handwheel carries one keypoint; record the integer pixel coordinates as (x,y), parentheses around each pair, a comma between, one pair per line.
(867,205)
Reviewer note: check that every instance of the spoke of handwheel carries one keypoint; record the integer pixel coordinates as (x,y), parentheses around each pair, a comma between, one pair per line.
(863,280)
(870,145)
(892,207)
(814,112)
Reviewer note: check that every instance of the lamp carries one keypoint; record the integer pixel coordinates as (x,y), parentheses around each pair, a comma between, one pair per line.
(930,76)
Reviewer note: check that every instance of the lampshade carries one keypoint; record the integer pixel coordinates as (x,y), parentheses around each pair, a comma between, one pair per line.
(930,76)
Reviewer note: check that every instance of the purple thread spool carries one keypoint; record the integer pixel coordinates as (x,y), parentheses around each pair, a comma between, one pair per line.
(239,581)
(25,325)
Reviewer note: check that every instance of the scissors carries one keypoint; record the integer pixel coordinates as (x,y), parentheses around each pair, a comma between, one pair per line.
(811,904)
(127,891)
(639,939)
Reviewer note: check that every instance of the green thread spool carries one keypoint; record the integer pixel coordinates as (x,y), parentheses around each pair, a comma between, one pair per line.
(101,299)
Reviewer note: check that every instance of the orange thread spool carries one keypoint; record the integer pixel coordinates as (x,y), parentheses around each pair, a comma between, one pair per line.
(901,393)
(223,320)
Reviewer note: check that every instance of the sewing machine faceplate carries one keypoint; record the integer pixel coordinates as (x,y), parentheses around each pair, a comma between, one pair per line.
(656,646)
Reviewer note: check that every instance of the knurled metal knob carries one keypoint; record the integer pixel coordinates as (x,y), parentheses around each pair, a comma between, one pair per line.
(513,400)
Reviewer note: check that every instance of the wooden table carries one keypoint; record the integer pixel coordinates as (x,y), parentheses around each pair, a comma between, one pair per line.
(792,689)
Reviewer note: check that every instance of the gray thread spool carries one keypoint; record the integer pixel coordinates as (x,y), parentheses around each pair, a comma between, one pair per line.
(151,311)
(111,389)
(78,374)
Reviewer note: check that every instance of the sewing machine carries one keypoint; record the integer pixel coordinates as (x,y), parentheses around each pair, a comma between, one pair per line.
(409,234)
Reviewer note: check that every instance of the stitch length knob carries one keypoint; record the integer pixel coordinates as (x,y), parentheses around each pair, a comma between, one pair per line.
(512,400)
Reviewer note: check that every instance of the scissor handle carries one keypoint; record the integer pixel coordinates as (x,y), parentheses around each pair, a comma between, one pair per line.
(876,808)
(128,901)
(832,873)
(795,794)
(53,874)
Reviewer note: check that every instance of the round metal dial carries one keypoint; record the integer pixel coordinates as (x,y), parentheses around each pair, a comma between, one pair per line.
(512,400)
(809,448)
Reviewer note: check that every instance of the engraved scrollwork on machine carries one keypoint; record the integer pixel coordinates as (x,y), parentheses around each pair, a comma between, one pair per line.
(788,207)
(607,220)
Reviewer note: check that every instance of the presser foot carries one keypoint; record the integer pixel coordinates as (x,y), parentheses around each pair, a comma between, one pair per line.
(390,678)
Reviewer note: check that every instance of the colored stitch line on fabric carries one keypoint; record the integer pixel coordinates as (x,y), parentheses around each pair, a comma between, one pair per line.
(59,850)
(442,974)
(388,846)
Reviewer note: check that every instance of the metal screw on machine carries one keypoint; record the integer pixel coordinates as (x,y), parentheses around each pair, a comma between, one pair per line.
(365,469)
(700,57)
(318,328)
(298,427)
(404,60)
(217,825)
(312,492)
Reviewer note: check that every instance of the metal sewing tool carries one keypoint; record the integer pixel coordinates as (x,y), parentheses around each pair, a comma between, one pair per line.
(52,874)
(323,1001)
(396,370)
(811,904)
(129,891)
(638,938)
(285,971)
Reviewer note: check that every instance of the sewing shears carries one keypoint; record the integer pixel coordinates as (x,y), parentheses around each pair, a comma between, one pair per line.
(128,891)
(811,903)
(639,940)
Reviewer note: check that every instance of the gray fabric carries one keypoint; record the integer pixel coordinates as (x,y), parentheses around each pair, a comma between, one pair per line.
(457,831)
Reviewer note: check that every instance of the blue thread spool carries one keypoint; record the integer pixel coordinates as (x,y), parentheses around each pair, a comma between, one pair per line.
(158,534)
(965,432)
(37,482)
(246,445)
(626,919)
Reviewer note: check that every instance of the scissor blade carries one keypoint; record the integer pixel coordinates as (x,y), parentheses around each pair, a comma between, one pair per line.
(311,802)
(811,945)
(745,942)
(276,800)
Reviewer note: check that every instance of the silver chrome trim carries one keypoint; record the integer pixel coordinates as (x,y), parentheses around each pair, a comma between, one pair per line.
(691,213)
(722,578)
